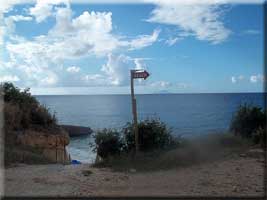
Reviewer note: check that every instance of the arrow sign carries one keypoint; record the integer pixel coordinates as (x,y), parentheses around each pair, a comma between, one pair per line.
(138,74)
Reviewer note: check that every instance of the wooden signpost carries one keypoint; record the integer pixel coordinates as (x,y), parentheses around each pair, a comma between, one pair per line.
(134,75)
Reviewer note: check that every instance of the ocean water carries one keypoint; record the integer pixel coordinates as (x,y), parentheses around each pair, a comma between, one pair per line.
(186,114)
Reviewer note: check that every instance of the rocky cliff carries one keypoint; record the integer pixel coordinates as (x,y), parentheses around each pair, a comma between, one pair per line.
(75,131)
(52,146)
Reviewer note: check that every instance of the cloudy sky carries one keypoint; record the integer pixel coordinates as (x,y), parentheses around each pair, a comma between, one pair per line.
(76,47)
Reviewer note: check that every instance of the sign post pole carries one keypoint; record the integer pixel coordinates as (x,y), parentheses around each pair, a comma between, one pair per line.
(136,74)
(134,111)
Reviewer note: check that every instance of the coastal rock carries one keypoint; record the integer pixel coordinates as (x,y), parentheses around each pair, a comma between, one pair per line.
(75,131)
(53,146)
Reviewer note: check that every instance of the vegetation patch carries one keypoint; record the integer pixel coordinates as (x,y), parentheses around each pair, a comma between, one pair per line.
(249,122)
(23,112)
(160,150)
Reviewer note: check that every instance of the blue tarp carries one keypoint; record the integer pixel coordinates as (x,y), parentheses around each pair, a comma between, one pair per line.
(75,162)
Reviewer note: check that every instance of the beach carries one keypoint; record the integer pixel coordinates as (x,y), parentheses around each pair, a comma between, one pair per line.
(235,175)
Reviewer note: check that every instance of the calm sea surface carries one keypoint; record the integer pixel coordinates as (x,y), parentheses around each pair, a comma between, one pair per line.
(186,114)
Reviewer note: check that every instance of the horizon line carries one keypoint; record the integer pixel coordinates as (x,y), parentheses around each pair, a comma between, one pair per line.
(263,92)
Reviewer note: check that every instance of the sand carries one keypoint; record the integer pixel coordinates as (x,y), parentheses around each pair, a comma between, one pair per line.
(240,175)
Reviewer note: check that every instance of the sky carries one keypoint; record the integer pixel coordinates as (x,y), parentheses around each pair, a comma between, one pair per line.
(81,47)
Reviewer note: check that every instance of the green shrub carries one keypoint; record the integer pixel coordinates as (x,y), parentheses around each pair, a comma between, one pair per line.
(23,111)
(13,94)
(153,134)
(107,143)
(247,120)
(259,136)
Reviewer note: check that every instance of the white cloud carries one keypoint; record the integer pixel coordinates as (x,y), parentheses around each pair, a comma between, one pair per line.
(118,68)
(144,40)
(256,78)
(40,60)
(172,41)
(9,78)
(51,79)
(200,20)
(116,71)
(95,80)
(236,79)
(43,9)
(73,69)
(162,84)
(2,33)
(91,33)
(95,21)
(10,21)
(252,78)
(233,79)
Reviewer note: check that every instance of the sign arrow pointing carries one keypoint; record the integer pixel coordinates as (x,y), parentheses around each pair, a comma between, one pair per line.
(138,74)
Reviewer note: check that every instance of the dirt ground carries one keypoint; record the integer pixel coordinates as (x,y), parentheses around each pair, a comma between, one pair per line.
(241,175)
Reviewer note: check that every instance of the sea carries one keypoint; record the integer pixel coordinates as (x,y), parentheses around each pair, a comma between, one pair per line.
(187,115)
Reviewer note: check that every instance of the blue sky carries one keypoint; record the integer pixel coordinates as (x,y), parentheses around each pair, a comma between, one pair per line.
(58,47)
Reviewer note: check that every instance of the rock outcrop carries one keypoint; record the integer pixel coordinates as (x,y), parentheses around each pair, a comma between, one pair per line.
(53,146)
(75,131)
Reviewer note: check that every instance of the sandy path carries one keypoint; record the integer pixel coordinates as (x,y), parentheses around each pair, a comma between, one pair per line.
(238,176)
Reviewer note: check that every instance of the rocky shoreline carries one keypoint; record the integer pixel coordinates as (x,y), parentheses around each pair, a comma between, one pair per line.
(76,131)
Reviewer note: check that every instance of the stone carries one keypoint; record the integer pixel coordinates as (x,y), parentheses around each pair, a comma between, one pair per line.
(52,145)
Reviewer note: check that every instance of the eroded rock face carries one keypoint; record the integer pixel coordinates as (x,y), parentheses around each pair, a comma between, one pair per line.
(76,131)
(53,146)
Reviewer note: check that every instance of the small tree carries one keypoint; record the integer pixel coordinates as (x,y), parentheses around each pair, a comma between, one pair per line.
(247,120)
(23,111)
(259,136)
(153,134)
(107,143)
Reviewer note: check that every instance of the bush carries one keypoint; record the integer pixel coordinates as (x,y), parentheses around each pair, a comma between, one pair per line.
(259,136)
(23,111)
(107,143)
(247,120)
(153,134)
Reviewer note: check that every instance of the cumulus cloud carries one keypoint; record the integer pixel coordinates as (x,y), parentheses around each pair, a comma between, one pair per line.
(50,79)
(40,60)
(233,79)
(91,32)
(256,78)
(10,21)
(117,68)
(2,32)
(5,7)
(73,69)
(43,9)
(252,78)
(236,79)
(202,21)
(9,78)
